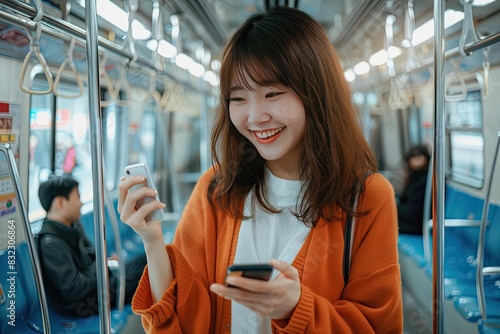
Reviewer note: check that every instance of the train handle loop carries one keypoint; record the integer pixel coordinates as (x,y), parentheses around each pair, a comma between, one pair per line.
(389,37)
(132,6)
(68,61)
(105,78)
(400,95)
(467,27)
(124,84)
(452,78)
(486,70)
(34,38)
(153,92)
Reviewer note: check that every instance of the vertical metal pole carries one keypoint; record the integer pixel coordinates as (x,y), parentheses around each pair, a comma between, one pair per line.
(97,164)
(438,172)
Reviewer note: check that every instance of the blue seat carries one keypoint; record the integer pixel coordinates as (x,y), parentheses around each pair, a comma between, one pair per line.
(489,326)
(460,256)
(21,307)
(412,246)
(469,308)
(61,324)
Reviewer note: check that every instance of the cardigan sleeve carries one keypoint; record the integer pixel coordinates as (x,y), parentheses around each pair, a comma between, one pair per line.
(371,302)
(185,306)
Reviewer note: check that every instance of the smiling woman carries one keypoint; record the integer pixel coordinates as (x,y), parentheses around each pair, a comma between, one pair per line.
(273,120)
(290,160)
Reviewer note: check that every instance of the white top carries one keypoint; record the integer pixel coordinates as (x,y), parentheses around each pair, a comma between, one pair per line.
(267,236)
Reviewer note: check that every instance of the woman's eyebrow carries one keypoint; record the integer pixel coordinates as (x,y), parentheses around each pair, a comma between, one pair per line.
(235,88)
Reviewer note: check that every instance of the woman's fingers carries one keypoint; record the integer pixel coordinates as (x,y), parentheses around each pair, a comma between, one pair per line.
(286,269)
(124,186)
(127,202)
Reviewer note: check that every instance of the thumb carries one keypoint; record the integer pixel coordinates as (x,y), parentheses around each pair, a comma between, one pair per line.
(287,270)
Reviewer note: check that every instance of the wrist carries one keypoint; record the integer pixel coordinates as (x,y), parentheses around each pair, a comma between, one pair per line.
(154,243)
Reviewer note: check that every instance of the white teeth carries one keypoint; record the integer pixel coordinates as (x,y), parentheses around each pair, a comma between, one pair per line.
(267,134)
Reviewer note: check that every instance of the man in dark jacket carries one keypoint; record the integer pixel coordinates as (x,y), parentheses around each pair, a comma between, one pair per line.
(68,257)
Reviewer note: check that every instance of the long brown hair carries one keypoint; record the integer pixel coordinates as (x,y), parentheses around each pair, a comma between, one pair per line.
(287,46)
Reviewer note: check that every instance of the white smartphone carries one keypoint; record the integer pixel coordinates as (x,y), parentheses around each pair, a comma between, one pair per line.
(142,169)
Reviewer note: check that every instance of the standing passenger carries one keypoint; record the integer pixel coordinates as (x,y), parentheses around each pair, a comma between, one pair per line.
(289,153)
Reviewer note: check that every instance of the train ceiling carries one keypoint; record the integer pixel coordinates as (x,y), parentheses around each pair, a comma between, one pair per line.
(355,27)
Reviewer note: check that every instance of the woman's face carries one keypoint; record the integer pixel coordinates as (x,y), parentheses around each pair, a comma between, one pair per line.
(417,162)
(273,119)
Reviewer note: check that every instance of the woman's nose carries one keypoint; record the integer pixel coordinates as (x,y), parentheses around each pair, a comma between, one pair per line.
(257,113)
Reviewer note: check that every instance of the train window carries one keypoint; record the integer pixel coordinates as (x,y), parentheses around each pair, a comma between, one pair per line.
(72,141)
(40,142)
(465,139)
(63,152)
(148,128)
(111,139)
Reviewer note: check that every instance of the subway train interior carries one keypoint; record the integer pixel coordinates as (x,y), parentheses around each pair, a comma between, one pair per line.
(421,72)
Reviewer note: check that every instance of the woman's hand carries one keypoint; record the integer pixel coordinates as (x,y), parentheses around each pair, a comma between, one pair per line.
(133,216)
(275,299)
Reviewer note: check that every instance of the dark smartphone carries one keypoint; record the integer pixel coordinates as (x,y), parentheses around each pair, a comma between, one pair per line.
(256,271)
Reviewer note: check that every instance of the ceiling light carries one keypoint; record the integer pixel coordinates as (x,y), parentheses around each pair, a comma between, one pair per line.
(196,69)
(426,30)
(164,48)
(378,58)
(350,75)
(187,63)
(362,68)
(393,51)
(183,61)
(119,18)
(211,78)
(481,3)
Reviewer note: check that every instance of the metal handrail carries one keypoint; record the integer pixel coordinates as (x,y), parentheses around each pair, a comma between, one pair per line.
(53,25)
(438,184)
(482,236)
(447,223)
(119,251)
(97,165)
(35,262)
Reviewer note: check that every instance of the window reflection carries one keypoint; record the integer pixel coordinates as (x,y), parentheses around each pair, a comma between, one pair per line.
(464,123)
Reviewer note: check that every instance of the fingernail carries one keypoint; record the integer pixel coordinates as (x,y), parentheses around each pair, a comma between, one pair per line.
(230,280)
(122,179)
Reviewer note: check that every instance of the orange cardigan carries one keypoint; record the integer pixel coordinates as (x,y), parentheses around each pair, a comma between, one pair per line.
(204,246)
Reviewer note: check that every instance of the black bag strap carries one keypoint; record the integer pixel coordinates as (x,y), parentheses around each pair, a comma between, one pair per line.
(348,237)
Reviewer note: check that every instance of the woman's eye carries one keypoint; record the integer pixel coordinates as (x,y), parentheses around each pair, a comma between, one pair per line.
(235,99)
(274,94)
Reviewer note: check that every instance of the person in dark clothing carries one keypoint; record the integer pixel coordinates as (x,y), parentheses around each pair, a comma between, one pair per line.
(68,258)
(411,200)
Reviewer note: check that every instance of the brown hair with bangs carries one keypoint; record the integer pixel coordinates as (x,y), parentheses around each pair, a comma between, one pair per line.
(287,46)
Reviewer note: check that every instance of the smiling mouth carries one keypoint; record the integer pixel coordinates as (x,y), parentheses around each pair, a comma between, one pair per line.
(268,134)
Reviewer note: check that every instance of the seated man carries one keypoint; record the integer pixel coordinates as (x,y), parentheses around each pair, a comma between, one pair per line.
(67,256)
